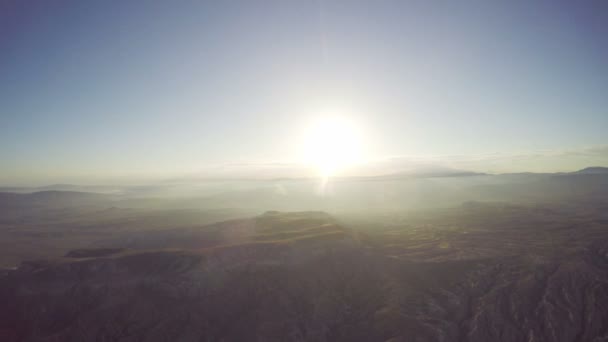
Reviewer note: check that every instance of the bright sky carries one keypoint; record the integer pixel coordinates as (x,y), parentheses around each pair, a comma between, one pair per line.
(92,90)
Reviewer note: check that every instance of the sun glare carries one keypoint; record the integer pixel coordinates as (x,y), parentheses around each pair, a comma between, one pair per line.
(332,144)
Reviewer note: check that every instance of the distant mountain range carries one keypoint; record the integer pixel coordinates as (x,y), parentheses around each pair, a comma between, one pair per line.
(435,172)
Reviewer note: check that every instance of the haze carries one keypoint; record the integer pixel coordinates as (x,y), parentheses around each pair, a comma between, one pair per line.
(306,171)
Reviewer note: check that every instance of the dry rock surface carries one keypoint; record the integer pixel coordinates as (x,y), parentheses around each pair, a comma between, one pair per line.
(475,273)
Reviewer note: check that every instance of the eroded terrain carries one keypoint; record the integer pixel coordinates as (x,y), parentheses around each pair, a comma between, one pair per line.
(477,272)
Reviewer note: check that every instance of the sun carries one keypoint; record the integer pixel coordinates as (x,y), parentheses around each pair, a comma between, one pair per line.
(332,144)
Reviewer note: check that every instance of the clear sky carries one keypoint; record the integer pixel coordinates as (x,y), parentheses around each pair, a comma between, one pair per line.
(93,90)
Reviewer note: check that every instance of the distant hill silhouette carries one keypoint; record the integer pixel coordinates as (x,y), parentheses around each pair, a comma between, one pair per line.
(593,170)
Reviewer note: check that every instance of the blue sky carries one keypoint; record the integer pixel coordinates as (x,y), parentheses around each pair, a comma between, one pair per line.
(104,90)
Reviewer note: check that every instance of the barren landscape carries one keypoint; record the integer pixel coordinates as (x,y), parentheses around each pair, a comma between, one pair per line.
(304,171)
(84,266)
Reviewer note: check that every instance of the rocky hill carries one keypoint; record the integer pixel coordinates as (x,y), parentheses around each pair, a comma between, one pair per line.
(306,277)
